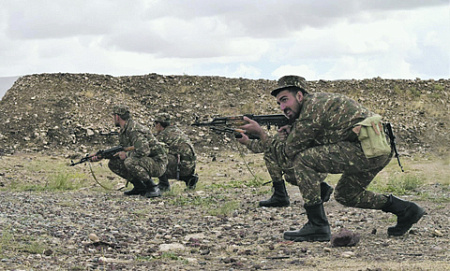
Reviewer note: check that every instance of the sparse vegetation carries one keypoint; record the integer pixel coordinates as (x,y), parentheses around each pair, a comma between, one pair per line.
(49,210)
(221,213)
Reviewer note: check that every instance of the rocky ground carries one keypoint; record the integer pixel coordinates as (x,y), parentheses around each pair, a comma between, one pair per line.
(216,227)
(56,217)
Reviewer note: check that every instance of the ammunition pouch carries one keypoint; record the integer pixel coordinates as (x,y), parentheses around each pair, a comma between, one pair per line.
(372,137)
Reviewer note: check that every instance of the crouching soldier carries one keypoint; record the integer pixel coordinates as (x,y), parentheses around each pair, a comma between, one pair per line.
(147,160)
(182,157)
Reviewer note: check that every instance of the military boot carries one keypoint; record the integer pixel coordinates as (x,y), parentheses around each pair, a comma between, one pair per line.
(152,189)
(279,198)
(325,191)
(407,214)
(191,181)
(316,229)
(139,188)
(164,184)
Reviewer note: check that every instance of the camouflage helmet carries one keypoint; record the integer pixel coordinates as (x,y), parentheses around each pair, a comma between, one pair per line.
(289,81)
(121,110)
(163,117)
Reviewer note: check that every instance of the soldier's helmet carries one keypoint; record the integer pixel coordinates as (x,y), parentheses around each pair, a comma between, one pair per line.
(163,118)
(289,81)
(121,110)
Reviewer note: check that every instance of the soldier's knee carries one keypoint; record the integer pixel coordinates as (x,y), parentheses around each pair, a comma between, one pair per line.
(345,198)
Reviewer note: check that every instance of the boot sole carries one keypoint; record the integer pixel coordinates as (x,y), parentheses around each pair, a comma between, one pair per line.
(416,219)
(309,238)
(274,205)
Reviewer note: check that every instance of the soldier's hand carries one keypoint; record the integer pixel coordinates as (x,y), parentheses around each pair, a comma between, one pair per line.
(283,132)
(122,155)
(244,139)
(95,158)
(253,128)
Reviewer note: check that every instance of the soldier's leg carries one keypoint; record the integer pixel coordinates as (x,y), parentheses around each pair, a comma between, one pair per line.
(280,197)
(171,171)
(351,191)
(325,189)
(143,169)
(358,171)
(311,167)
(187,171)
(118,166)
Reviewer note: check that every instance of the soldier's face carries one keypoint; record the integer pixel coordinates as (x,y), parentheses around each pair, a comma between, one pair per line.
(158,127)
(116,120)
(290,103)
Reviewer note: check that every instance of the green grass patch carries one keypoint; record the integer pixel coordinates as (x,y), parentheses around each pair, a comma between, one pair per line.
(54,182)
(34,247)
(10,244)
(225,209)
(214,205)
(405,184)
(6,240)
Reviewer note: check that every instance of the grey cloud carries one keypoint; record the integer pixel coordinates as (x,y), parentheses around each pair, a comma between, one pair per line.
(60,19)
(274,19)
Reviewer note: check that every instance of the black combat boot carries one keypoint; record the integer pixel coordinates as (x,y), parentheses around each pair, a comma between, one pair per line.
(316,229)
(164,184)
(407,214)
(325,191)
(139,188)
(279,198)
(191,181)
(152,189)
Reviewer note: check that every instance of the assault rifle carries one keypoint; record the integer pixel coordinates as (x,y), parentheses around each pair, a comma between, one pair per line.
(221,124)
(103,154)
(393,144)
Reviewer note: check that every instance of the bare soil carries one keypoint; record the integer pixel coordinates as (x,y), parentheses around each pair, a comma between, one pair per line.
(218,226)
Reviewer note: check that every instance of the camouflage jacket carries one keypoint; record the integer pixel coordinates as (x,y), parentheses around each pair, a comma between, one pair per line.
(325,118)
(139,136)
(177,142)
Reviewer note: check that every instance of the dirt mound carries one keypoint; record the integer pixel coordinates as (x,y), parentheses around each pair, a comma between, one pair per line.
(70,112)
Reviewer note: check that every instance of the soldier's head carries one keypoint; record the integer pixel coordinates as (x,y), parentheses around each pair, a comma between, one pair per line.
(293,83)
(162,119)
(122,111)
(289,94)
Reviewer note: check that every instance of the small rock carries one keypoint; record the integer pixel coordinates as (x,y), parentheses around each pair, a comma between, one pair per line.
(345,238)
(170,247)
(348,254)
(93,237)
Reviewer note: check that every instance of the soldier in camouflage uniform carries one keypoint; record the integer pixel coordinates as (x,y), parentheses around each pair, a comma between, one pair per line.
(147,160)
(327,137)
(182,157)
(280,197)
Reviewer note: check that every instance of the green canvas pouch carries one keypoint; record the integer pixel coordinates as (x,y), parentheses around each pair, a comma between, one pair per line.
(372,137)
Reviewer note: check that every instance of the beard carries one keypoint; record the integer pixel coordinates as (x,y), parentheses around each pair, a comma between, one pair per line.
(291,115)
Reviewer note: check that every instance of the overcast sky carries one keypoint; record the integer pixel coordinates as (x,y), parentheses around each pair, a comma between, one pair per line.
(318,39)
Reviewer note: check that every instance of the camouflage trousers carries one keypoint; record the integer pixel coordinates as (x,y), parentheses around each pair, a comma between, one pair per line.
(186,166)
(138,168)
(311,166)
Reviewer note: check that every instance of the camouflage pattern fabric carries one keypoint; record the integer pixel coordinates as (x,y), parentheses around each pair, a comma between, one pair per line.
(178,144)
(149,159)
(277,164)
(321,142)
